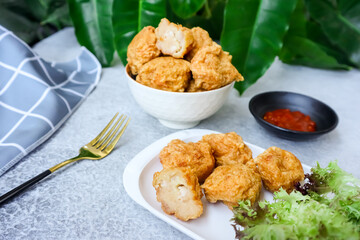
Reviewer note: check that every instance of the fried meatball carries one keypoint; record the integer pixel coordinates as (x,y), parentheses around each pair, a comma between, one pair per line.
(228,148)
(191,87)
(165,73)
(201,39)
(142,49)
(279,169)
(173,39)
(252,165)
(211,68)
(231,183)
(198,156)
(179,192)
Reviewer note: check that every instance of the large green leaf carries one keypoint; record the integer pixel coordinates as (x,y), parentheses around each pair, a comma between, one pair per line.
(125,25)
(340,24)
(55,12)
(130,16)
(38,8)
(300,50)
(20,25)
(209,17)
(186,8)
(253,31)
(316,34)
(151,12)
(20,7)
(59,17)
(93,27)
(33,20)
(351,10)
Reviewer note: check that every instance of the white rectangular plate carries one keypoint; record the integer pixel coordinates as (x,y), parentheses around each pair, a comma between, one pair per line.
(214,223)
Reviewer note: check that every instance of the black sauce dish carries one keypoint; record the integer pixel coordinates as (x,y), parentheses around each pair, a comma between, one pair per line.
(325,117)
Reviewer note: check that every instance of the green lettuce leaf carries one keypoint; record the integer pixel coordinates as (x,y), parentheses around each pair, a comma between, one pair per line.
(326,206)
(333,186)
(292,216)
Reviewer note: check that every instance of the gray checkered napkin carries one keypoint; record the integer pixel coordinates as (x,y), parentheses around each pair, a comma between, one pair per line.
(36,96)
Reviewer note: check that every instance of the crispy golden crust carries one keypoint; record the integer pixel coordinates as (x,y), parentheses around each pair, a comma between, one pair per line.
(178,191)
(251,164)
(191,87)
(165,73)
(198,156)
(279,169)
(173,39)
(231,183)
(211,68)
(201,39)
(228,148)
(142,49)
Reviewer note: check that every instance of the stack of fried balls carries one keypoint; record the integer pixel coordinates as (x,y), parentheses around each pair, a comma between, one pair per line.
(178,59)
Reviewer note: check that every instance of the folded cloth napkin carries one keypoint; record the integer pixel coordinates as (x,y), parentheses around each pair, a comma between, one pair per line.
(36,96)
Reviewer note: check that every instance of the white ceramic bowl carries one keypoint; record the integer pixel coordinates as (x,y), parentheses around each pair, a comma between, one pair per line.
(175,109)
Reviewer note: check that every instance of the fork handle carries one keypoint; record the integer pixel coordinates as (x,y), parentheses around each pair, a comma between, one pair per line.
(12,193)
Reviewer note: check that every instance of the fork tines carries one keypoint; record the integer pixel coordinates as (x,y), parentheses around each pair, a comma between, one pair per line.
(107,139)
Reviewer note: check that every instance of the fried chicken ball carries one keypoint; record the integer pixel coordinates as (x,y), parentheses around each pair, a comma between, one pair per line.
(251,164)
(279,169)
(142,49)
(211,68)
(231,183)
(191,87)
(201,39)
(228,148)
(173,39)
(165,73)
(179,192)
(198,156)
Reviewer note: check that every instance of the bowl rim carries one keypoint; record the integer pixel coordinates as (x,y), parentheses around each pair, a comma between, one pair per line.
(280,129)
(178,93)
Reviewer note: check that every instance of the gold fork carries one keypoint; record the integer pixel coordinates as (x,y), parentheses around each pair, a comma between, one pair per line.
(97,148)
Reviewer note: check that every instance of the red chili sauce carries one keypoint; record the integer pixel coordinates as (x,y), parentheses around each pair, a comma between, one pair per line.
(290,120)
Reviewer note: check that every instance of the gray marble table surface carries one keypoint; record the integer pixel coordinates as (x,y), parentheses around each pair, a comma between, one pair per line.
(88,201)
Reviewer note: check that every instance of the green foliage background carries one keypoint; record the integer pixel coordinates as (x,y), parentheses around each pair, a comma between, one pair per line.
(315,33)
